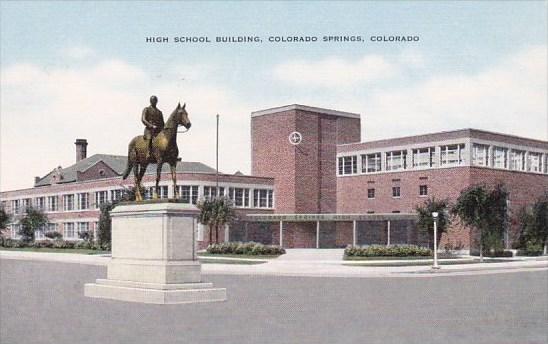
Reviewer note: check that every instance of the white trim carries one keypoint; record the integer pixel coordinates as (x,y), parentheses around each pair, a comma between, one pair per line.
(304,108)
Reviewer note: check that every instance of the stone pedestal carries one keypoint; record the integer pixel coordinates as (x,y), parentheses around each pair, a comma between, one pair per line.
(154,257)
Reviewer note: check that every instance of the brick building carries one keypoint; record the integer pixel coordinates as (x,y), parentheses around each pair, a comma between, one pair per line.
(313,182)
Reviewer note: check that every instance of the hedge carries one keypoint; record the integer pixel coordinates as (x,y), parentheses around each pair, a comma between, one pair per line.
(248,248)
(387,251)
(63,244)
(493,254)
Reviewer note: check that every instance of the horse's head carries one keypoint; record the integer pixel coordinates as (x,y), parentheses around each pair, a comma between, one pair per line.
(182,116)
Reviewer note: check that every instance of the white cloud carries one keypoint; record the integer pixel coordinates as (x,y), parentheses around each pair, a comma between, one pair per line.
(45,109)
(510,97)
(334,71)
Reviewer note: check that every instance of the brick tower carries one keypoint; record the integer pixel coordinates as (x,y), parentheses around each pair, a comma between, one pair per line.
(305,173)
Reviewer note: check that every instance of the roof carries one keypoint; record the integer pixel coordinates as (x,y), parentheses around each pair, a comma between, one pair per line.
(118,165)
(304,108)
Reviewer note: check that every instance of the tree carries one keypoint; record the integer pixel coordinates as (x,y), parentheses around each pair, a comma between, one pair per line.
(5,218)
(33,220)
(534,225)
(104,232)
(425,222)
(216,212)
(485,210)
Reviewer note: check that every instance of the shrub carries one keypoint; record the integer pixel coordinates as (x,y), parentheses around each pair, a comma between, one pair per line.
(387,251)
(63,244)
(83,245)
(493,253)
(53,235)
(248,248)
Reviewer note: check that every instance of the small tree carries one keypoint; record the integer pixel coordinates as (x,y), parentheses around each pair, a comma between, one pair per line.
(485,210)
(425,222)
(534,225)
(5,218)
(33,220)
(215,213)
(104,232)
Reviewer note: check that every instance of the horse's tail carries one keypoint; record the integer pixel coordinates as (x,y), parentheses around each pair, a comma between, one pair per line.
(130,161)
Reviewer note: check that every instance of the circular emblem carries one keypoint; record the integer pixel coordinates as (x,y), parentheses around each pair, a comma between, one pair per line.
(295,138)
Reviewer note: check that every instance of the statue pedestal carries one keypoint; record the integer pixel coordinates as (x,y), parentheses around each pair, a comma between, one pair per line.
(154,257)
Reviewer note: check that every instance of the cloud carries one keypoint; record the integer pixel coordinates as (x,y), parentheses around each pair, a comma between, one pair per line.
(335,71)
(508,97)
(45,109)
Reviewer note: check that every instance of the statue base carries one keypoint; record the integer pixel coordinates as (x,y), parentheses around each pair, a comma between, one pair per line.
(154,257)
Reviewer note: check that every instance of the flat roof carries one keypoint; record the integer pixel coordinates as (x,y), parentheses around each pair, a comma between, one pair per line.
(304,108)
(330,217)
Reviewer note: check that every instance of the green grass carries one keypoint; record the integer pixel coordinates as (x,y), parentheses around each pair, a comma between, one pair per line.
(54,250)
(399,258)
(230,261)
(243,256)
(425,263)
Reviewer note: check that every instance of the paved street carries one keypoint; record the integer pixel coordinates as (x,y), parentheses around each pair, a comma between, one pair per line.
(43,302)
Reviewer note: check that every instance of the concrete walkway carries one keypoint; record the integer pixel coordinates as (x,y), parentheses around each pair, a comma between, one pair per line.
(307,266)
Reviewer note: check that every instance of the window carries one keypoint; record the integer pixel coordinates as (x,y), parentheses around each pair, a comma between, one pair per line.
(101,197)
(52,227)
(26,204)
(480,155)
(500,157)
(15,228)
(423,190)
(424,157)
(188,193)
(348,165)
(396,160)
(68,231)
(116,195)
(68,202)
(396,191)
(39,234)
(534,162)
(83,201)
(451,155)
(239,196)
(83,227)
(262,198)
(546,163)
(517,160)
(370,193)
(40,203)
(371,163)
(210,191)
(52,203)
(16,206)
(163,191)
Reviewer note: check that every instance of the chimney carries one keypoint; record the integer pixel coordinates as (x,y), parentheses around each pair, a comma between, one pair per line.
(81,149)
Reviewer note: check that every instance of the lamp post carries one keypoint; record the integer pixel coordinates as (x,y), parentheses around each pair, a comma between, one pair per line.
(435,265)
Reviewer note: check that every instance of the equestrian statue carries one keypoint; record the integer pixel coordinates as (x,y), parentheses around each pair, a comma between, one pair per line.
(158,145)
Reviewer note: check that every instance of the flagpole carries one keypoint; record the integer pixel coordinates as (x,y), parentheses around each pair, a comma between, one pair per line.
(217,161)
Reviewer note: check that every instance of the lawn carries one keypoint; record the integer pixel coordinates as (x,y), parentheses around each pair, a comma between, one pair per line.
(440,256)
(55,250)
(230,261)
(425,263)
(243,256)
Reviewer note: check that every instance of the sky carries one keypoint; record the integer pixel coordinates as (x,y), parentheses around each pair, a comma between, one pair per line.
(84,70)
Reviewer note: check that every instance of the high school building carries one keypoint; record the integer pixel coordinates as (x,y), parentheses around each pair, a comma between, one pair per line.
(313,182)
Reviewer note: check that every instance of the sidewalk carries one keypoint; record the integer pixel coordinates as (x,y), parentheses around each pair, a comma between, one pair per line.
(291,266)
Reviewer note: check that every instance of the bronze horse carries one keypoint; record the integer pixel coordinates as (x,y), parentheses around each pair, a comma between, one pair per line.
(164,149)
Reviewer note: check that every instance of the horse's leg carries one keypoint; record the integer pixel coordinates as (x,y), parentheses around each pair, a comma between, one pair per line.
(173,167)
(158,175)
(138,196)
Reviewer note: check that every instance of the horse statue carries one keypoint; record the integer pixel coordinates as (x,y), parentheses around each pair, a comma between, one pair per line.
(164,149)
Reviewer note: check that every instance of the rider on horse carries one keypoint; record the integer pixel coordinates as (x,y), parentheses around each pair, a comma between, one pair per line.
(153,120)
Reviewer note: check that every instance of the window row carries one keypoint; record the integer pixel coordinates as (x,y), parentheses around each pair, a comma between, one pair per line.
(396,191)
(506,158)
(427,157)
(241,197)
